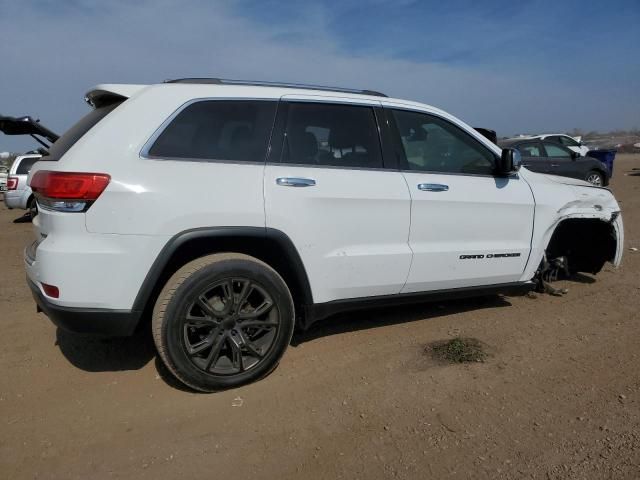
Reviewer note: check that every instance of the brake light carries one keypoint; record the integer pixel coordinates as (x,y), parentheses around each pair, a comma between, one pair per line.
(51,290)
(12,183)
(68,191)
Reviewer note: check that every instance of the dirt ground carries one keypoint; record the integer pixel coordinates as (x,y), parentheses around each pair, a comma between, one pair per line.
(559,397)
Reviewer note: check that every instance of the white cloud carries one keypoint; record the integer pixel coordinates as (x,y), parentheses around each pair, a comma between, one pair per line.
(55,54)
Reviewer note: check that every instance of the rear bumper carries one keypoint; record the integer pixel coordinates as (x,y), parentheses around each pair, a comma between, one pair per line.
(106,322)
(15,199)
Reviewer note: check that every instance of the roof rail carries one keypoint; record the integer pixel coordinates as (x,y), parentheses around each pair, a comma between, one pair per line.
(222,81)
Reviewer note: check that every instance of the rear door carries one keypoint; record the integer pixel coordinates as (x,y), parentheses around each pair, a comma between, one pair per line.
(468,227)
(326,187)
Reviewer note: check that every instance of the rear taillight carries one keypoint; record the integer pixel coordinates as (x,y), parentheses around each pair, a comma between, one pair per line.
(12,183)
(68,191)
(51,290)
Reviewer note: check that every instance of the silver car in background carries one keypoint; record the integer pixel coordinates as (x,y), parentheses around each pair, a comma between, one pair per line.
(18,193)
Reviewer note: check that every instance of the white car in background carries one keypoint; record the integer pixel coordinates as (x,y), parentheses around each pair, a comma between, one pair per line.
(18,193)
(571,143)
(3,179)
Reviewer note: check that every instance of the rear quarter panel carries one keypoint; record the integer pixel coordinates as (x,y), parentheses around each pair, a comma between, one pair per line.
(161,197)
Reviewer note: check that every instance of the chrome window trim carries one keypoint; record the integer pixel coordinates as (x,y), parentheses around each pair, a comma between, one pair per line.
(331,167)
(513,175)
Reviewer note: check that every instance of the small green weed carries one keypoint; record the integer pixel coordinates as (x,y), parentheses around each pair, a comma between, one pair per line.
(458,350)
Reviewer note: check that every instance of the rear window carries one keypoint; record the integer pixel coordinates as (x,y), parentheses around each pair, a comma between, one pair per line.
(75,133)
(25,165)
(233,130)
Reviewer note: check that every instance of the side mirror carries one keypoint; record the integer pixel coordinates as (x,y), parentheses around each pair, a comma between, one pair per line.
(574,155)
(509,162)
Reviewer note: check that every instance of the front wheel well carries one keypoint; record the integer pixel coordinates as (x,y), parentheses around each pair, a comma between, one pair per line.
(587,243)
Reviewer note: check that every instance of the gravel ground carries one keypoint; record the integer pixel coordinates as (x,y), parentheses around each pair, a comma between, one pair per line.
(356,397)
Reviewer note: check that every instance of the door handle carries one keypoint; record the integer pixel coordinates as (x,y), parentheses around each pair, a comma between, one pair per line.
(555,165)
(433,187)
(295,182)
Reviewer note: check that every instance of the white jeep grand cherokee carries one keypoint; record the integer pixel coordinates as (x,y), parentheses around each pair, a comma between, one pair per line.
(231,212)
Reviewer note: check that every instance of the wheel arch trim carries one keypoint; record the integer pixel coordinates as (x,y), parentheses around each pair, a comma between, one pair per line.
(257,233)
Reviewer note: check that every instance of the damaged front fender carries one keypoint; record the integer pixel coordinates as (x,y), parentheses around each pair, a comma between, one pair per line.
(576,221)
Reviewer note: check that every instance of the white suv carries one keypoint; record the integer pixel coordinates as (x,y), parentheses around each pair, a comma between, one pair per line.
(231,212)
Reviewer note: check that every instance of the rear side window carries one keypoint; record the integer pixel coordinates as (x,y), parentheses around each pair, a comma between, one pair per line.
(25,165)
(218,130)
(75,133)
(332,135)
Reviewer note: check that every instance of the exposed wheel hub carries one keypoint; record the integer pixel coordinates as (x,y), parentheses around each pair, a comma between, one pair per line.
(230,323)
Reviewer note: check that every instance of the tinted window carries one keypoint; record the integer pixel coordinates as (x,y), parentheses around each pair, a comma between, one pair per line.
(530,150)
(568,142)
(435,145)
(75,133)
(218,130)
(25,165)
(331,135)
(556,151)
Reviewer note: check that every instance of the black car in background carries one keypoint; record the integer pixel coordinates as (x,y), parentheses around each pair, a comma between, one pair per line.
(550,157)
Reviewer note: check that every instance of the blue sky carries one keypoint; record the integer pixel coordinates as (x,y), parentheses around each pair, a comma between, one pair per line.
(528,66)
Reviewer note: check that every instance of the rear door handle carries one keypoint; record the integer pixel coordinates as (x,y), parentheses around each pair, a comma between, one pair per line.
(295,182)
(433,187)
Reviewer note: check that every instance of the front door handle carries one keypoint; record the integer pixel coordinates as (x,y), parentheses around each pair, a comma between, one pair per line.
(555,165)
(295,182)
(433,187)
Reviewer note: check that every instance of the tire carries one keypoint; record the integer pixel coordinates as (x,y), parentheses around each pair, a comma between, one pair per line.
(595,178)
(223,321)
(32,207)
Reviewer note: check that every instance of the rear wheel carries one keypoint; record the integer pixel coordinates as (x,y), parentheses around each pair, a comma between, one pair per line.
(596,178)
(223,321)
(32,207)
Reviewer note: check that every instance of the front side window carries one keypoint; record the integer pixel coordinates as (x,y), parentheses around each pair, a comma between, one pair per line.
(331,135)
(432,144)
(234,130)
(556,151)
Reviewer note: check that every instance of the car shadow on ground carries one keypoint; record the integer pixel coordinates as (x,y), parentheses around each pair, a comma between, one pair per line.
(581,278)
(103,354)
(26,218)
(106,354)
(378,317)
(114,354)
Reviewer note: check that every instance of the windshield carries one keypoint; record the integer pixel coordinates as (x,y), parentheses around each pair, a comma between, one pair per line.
(75,133)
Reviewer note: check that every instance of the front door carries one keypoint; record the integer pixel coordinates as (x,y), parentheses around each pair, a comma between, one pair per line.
(468,227)
(328,190)
(561,161)
(533,157)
